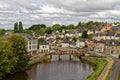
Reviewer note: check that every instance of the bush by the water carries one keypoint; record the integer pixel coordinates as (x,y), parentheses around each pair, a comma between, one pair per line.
(13,56)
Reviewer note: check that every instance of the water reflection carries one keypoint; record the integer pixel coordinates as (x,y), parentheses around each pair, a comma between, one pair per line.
(18,76)
(56,70)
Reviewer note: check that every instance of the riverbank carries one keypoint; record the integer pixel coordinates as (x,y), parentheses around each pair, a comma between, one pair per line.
(39,58)
(99,64)
(107,69)
(102,69)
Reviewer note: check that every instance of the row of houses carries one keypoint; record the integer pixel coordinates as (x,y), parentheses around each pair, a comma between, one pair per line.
(108,47)
(44,46)
(105,40)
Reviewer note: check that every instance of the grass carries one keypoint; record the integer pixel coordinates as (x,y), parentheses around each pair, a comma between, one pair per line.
(99,66)
(119,77)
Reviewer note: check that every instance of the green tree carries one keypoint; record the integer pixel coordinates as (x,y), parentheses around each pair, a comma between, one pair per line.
(58,38)
(7,59)
(18,44)
(2,31)
(49,30)
(71,26)
(56,27)
(63,27)
(74,39)
(20,27)
(90,36)
(79,25)
(16,28)
(84,34)
(90,24)
(37,27)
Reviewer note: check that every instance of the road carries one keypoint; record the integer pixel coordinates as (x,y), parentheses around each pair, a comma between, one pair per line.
(115,71)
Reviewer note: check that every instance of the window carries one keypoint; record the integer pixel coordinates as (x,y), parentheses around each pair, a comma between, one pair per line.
(41,50)
(112,51)
(29,47)
(29,42)
(43,47)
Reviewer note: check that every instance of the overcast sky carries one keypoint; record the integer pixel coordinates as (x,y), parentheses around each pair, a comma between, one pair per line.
(57,11)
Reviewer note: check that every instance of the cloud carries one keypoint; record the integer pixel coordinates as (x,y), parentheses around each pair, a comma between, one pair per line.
(58,11)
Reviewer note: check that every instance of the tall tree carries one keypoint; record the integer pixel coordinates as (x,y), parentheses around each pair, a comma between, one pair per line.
(20,27)
(71,26)
(56,27)
(84,34)
(18,44)
(7,59)
(2,31)
(16,28)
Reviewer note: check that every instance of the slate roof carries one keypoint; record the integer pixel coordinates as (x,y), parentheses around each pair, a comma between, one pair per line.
(112,31)
(69,42)
(44,43)
(112,43)
(27,36)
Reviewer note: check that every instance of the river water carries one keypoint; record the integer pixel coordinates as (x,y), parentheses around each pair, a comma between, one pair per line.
(56,70)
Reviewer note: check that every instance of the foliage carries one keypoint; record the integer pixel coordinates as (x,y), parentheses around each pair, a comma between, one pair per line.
(56,27)
(90,36)
(18,44)
(2,31)
(71,26)
(13,56)
(58,38)
(100,64)
(20,27)
(16,28)
(37,27)
(40,40)
(84,34)
(41,29)
(74,39)
(7,59)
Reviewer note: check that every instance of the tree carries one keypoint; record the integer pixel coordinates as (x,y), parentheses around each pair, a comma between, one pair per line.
(16,28)
(7,59)
(84,34)
(49,30)
(90,36)
(74,39)
(20,27)
(18,44)
(56,27)
(63,27)
(71,26)
(79,25)
(37,27)
(2,31)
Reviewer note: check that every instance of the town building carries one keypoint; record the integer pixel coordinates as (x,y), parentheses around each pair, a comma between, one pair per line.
(44,47)
(99,46)
(31,43)
(112,47)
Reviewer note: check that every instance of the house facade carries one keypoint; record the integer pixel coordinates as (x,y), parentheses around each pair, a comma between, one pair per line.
(80,43)
(99,46)
(44,47)
(112,47)
(31,43)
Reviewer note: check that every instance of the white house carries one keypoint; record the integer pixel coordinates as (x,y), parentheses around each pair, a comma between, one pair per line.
(31,43)
(44,47)
(80,44)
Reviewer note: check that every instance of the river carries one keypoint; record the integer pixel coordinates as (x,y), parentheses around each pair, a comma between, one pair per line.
(56,70)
